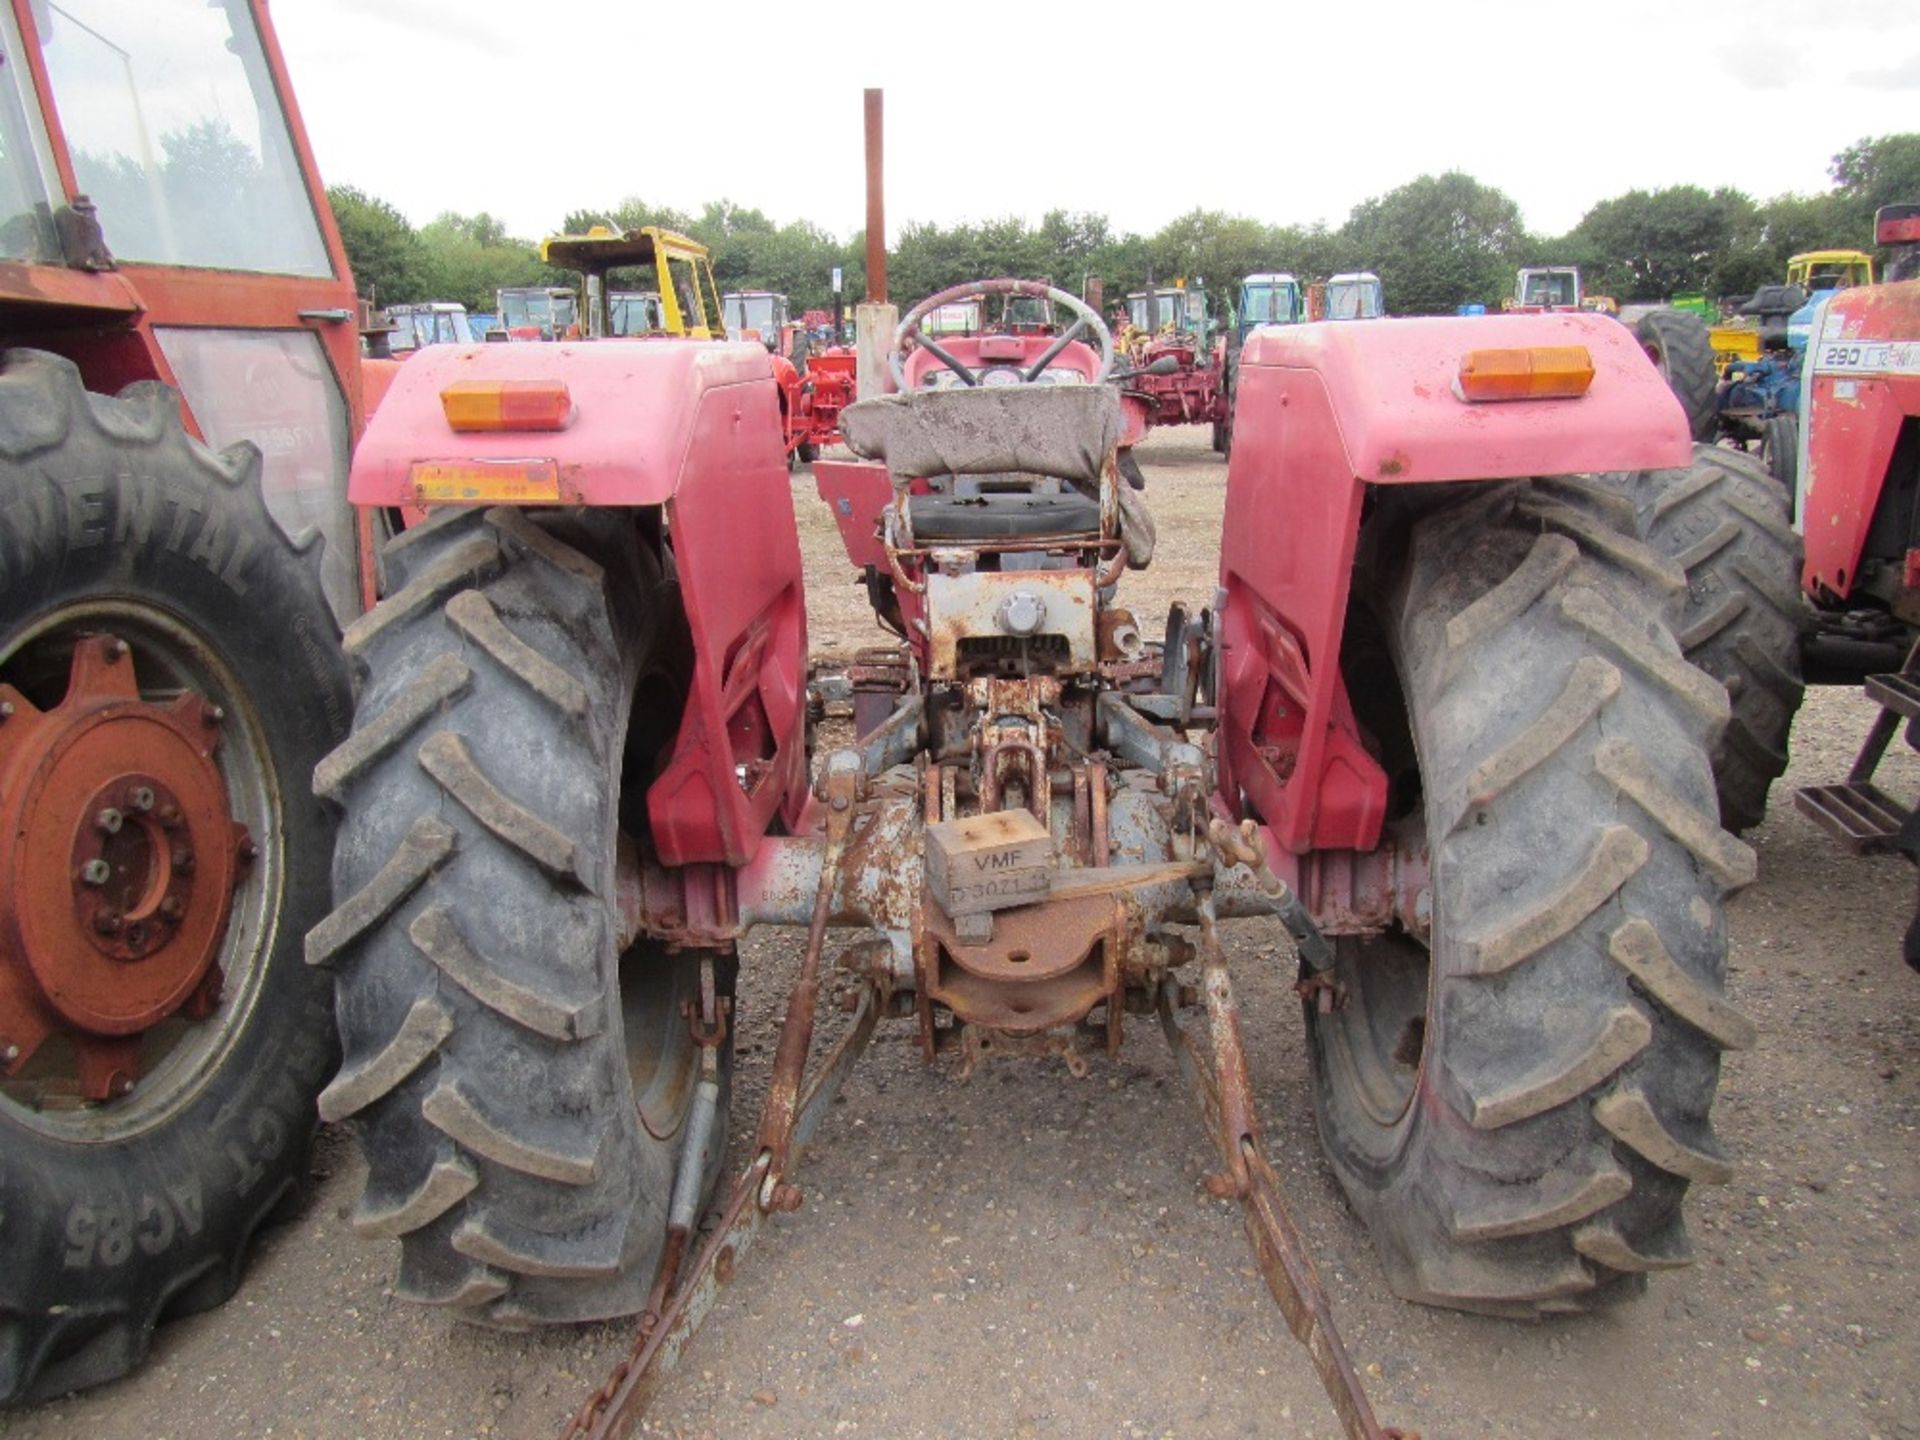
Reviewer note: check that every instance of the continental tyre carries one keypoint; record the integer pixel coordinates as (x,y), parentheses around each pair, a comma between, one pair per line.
(521,1088)
(1681,347)
(1727,523)
(169,669)
(1518,1107)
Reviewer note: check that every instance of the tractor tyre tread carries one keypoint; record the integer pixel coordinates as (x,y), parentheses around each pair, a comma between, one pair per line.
(1683,350)
(110,496)
(1727,524)
(472,944)
(1571,1045)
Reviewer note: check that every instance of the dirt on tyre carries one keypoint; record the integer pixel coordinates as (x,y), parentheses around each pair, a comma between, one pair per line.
(1518,1106)
(520,1087)
(1728,525)
(169,674)
(1681,348)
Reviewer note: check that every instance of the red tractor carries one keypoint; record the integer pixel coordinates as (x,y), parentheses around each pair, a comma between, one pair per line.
(1175,362)
(1438,721)
(177,557)
(1858,479)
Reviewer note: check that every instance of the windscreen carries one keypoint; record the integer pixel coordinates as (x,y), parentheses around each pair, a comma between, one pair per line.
(1354,300)
(178,135)
(1270,305)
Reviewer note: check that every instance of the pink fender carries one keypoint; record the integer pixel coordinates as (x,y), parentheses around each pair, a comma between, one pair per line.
(1324,411)
(694,427)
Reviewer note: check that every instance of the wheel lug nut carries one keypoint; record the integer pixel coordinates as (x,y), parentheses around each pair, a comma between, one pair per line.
(170,907)
(109,820)
(9,1052)
(107,922)
(169,816)
(183,861)
(6,709)
(136,934)
(213,715)
(95,872)
(142,798)
(116,649)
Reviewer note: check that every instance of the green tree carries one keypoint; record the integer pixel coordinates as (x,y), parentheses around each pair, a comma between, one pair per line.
(1872,173)
(382,248)
(1652,245)
(1438,241)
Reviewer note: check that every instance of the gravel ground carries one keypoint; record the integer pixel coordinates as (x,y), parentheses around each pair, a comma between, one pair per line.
(1029,1255)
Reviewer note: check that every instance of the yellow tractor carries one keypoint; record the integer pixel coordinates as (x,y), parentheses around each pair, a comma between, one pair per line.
(1767,314)
(689,301)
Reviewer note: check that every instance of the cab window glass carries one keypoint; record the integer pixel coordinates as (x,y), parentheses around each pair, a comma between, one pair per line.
(178,136)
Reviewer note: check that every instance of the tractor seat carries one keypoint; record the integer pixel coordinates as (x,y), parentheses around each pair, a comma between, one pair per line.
(1002,516)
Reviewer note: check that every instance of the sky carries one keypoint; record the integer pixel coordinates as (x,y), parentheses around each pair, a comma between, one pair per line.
(1284,113)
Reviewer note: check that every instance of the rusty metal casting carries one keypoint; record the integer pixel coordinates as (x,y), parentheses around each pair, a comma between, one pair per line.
(1223,1084)
(121,859)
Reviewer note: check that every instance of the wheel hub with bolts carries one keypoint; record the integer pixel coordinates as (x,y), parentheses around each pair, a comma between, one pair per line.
(118,883)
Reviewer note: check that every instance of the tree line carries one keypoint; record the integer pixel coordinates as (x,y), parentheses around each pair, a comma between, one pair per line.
(1437,242)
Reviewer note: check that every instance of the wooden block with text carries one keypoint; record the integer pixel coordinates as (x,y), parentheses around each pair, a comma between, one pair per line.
(982,863)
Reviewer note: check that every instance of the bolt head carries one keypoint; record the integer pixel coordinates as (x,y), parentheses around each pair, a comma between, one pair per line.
(169,816)
(107,922)
(95,872)
(171,907)
(213,715)
(136,934)
(142,798)
(182,861)
(10,1054)
(110,820)
(116,649)
(6,709)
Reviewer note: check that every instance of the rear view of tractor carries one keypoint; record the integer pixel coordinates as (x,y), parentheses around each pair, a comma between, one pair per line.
(1437,721)
(176,559)
(1266,299)
(1168,345)
(1858,502)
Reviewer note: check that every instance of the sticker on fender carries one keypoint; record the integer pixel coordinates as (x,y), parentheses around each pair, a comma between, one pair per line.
(485,482)
(1868,357)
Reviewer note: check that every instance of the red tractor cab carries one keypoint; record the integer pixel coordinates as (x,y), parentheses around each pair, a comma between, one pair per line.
(176,417)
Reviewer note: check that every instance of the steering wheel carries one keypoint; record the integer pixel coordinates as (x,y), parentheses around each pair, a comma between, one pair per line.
(908,335)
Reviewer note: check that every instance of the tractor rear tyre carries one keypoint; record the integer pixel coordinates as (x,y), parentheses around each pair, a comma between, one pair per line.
(1681,347)
(1780,453)
(1517,1108)
(1728,524)
(521,1088)
(169,669)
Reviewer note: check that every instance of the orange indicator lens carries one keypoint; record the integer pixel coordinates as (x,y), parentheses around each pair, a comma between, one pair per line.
(507,405)
(1541,372)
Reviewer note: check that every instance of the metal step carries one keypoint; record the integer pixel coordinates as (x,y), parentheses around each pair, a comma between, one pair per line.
(1899,693)
(1860,815)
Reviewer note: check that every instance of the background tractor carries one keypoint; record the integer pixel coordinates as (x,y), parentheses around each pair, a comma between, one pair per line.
(1677,341)
(176,559)
(1437,720)
(538,312)
(1265,299)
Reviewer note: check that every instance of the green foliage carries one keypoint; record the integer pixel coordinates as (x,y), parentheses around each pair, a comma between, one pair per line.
(1647,245)
(1439,242)
(385,253)
(1436,242)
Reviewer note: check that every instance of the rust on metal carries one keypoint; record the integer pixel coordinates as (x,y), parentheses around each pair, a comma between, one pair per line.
(121,861)
(1224,1086)
(876,198)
